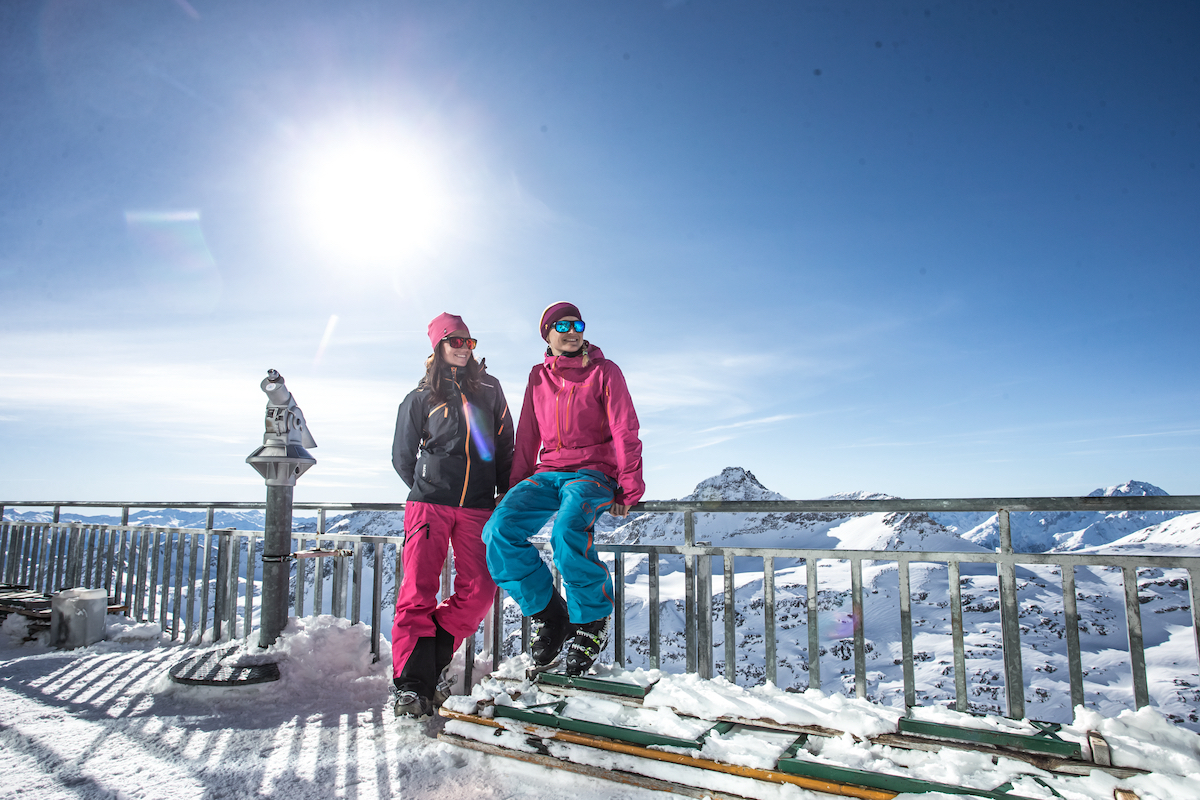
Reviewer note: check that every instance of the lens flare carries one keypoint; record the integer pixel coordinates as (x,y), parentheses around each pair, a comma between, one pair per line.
(481,432)
(176,261)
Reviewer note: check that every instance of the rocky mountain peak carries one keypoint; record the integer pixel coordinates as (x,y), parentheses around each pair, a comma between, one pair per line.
(1130,489)
(734,483)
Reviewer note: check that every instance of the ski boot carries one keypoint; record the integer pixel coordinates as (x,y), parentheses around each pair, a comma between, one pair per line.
(590,640)
(412,705)
(445,687)
(554,626)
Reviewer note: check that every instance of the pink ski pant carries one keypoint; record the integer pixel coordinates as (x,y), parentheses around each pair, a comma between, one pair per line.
(428,529)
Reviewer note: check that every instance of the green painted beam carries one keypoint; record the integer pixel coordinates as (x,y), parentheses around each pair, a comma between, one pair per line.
(1044,742)
(879,780)
(643,738)
(591,684)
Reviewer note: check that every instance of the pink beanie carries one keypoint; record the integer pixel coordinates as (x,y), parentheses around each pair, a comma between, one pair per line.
(554,312)
(443,325)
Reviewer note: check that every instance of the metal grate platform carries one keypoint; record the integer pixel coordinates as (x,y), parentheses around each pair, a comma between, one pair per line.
(206,669)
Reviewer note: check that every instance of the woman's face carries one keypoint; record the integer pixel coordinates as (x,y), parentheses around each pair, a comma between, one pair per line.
(455,356)
(568,342)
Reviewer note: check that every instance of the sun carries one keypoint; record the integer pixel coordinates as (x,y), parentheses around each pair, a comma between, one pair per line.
(374,198)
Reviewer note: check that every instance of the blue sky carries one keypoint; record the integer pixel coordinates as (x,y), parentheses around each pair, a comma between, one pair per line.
(927,249)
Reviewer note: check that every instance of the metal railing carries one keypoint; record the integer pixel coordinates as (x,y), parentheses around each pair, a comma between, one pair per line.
(135,564)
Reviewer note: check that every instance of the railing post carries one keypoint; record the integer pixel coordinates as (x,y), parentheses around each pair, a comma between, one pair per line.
(142,573)
(1071,625)
(204,580)
(338,601)
(319,569)
(5,536)
(497,628)
(177,611)
(770,657)
(1010,625)
(689,592)
(221,596)
(814,625)
(906,635)
(1133,623)
(655,657)
(377,599)
(856,605)
(356,582)
(125,564)
(730,621)
(956,630)
(704,627)
(618,637)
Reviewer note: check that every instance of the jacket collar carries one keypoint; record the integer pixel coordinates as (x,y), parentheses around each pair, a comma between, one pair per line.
(592,356)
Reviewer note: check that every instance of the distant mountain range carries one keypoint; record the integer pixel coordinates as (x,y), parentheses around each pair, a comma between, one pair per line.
(1032,532)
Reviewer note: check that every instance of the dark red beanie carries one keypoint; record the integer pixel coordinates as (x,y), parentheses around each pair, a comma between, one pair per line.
(554,312)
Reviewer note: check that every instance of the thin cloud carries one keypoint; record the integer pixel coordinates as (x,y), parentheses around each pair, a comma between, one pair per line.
(750,422)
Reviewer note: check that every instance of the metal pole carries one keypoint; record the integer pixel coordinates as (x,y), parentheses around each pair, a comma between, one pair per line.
(730,622)
(856,605)
(618,576)
(1010,626)
(906,636)
(277,536)
(377,598)
(652,579)
(704,650)
(771,661)
(956,625)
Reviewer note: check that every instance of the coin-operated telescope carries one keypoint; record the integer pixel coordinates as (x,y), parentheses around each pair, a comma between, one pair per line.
(281,460)
(283,457)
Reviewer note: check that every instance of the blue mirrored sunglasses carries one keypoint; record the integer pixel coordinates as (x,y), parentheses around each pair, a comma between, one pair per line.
(564,325)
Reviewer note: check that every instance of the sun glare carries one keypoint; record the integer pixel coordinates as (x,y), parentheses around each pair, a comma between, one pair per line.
(374,199)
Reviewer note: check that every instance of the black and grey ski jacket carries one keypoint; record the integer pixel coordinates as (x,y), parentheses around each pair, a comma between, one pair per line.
(456,453)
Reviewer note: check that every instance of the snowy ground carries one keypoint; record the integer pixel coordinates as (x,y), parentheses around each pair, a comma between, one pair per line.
(105,721)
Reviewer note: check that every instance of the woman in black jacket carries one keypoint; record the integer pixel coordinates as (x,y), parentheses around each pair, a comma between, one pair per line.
(454,449)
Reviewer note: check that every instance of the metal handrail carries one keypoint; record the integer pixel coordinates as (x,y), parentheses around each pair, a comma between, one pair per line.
(55,554)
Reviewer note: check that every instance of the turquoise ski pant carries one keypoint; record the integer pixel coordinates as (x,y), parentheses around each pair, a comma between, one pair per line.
(516,565)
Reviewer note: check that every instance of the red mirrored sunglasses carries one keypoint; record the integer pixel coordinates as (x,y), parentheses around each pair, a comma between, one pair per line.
(458,342)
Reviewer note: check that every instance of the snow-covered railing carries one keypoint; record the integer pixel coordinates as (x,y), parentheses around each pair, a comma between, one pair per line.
(135,564)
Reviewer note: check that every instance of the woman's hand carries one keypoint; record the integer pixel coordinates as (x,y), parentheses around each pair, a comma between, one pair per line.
(618,510)
(499,497)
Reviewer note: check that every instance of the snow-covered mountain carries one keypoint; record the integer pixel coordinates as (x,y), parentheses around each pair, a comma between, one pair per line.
(824,531)
(1064,531)
(157,517)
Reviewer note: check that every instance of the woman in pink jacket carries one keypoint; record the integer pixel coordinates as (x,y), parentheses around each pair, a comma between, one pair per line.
(577,454)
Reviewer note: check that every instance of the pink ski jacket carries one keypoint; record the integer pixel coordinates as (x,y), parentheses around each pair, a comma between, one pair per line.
(578,415)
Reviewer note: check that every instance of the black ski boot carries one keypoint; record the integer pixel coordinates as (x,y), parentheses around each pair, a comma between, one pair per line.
(414,686)
(554,626)
(412,704)
(590,640)
(443,655)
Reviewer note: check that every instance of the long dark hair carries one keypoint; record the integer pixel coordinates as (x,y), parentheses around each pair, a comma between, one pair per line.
(437,381)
